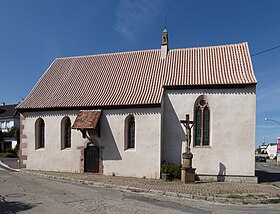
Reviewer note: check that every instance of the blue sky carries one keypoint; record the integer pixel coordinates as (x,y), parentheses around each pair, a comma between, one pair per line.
(33,33)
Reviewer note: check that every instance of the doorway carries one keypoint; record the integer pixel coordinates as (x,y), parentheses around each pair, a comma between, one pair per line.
(91,159)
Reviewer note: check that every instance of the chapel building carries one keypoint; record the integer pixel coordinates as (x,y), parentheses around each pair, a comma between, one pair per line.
(119,113)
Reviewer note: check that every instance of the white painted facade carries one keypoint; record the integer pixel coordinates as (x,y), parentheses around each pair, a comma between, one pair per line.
(142,161)
(159,136)
(51,157)
(232,126)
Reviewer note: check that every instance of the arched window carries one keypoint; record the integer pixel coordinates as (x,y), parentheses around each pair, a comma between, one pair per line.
(202,122)
(39,133)
(65,133)
(130,132)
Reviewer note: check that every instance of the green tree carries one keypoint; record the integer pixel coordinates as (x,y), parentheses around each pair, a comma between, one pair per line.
(15,133)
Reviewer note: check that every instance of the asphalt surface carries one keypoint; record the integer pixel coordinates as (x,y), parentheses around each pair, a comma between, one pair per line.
(28,193)
(268,172)
(221,192)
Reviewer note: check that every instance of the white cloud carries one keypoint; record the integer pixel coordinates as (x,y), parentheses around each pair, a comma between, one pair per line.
(134,16)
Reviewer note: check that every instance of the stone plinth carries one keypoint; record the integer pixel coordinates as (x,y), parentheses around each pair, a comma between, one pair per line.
(187,173)
(187,160)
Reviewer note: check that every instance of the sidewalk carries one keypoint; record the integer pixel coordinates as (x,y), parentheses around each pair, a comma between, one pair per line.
(221,192)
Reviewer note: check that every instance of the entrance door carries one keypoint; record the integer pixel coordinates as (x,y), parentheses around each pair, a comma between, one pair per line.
(92,159)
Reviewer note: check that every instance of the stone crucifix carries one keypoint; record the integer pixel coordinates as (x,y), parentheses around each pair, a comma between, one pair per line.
(187,173)
(187,123)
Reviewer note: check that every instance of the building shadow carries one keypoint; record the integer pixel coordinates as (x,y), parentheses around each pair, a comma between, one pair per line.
(222,172)
(264,176)
(173,134)
(111,150)
(7,207)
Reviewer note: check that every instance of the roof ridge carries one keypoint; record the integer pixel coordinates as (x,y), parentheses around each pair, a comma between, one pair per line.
(149,50)
(210,46)
(108,54)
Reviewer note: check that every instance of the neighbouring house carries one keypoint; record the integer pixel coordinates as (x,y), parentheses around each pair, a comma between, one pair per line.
(9,118)
(119,113)
(263,149)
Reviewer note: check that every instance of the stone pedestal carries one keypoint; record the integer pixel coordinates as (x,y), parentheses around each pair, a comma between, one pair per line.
(187,173)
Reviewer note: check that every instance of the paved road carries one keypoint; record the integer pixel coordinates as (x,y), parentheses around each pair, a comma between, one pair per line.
(268,172)
(31,194)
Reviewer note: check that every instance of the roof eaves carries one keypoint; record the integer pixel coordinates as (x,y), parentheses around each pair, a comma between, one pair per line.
(57,108)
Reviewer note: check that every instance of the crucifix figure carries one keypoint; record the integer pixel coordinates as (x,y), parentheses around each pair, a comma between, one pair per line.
(188,125)
(187,172)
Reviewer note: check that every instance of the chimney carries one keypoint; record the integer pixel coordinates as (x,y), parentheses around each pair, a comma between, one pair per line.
(164,44)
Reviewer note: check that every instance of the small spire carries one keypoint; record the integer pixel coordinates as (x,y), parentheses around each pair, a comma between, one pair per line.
(164,42)
(164,37)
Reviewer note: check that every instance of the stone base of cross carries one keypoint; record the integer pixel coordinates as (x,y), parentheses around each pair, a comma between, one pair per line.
(187,172)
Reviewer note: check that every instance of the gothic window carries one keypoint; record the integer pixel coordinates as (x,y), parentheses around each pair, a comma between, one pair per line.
(39,133)
(130,132)
(202,122)
(65,133)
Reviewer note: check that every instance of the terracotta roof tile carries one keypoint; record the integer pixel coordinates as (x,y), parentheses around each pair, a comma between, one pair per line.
(135,78)
(86,120)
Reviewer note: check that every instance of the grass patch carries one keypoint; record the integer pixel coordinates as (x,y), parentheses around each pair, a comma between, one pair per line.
(8,155)
(241,196)
(274,201)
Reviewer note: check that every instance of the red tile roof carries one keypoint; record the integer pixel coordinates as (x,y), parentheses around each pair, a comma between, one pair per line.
(86,120)
(136,78)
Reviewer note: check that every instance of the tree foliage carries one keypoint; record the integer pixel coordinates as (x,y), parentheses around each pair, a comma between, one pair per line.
(13,133)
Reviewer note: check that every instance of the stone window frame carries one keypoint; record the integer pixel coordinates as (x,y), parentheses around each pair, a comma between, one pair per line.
(202,120)
(40,133)
(130,132)
(66,133)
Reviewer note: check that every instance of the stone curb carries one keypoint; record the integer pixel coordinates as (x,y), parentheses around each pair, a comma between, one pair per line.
(214,199)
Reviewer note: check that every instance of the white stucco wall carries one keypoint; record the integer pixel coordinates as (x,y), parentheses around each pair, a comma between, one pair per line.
(232,126)
(51,157)
(144,160)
